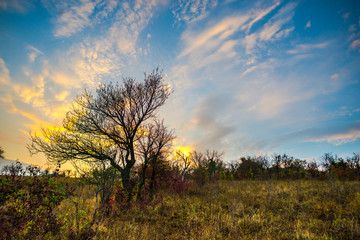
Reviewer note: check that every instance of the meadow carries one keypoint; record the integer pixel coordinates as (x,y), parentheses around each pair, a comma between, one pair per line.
(247,209)
(292,200)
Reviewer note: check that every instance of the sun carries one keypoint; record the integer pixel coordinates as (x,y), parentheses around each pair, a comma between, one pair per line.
(186,150)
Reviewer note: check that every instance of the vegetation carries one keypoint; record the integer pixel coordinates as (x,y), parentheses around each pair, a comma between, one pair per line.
(230,204)
(2,152)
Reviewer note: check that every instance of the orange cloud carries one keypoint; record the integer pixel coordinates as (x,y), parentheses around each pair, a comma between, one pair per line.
(339,138)
(355,43)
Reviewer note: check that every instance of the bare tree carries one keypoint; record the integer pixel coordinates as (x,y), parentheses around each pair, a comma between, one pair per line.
(2,152)
(213,161)
(155,143)
(183,161)
(104,127)
(198,159)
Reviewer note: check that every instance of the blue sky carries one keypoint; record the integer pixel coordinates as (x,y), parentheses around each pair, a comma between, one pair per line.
(249,77)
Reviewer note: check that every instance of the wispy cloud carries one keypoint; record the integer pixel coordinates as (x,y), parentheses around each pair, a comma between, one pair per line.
(4,73)
(355,43)
(191,11)
(33,53)
(351,135)
(273,29)
(74,18)
(49,84)
(335,76)
(21,6)
(210,121)
(230,44)
(308,47)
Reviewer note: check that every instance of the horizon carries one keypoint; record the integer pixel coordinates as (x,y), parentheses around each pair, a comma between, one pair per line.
(249,78)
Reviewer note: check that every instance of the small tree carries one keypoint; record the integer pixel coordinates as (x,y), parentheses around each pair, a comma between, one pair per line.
(155,143)
(105,126)
(183,163)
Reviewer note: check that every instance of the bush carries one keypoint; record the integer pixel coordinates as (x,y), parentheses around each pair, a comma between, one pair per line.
(27,206)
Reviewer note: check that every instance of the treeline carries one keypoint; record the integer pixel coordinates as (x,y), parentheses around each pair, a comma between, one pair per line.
(210,166)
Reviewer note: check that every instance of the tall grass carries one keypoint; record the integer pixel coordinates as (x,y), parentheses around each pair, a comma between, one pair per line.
(297,209)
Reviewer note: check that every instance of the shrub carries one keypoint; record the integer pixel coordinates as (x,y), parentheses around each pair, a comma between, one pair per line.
(27,206)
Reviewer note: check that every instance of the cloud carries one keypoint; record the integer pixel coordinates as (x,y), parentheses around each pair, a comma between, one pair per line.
(191,11)
(33,53)
(335,76)
(308,48)
(269,99)
(355,43)
(259,14)
(94,59)
(20,6)
(74,19)
(337,139)
(353,28)
(4,73)
(346,15)
(272,29)
(308,24)
(50,83)
(274,25)
(213,36)
(210,118)
(217,58)
(218,42)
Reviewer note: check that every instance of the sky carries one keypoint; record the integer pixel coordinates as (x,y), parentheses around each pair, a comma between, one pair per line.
(248,77)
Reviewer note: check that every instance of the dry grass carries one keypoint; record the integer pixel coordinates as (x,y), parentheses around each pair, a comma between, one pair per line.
(301,209)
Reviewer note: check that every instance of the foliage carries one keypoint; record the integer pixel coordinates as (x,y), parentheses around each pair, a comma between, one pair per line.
(27,205)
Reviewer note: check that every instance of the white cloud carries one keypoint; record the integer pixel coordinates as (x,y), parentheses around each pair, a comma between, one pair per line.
(213,36)
(74,19)
(274,25)
(193,10)
(259,14)
(269,99)
(49,85)
(306,48)
(33,53)
(272,29)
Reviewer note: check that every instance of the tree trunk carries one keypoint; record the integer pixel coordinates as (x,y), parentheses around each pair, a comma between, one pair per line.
(142,180)
(152,180)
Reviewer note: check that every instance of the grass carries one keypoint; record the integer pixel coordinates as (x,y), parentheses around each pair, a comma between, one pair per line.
(298,209)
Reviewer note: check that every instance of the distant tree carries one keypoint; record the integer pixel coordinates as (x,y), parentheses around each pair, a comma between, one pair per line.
(183,163)
(198,159)
(2,152)
(355,161)
(313,169)
(276,164)
(248,168)
(213,162)
(105,126)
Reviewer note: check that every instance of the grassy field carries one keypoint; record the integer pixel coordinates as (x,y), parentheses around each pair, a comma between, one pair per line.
(298,209)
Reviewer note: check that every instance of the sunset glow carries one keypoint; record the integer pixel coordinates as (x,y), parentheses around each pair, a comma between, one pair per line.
(248,77)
